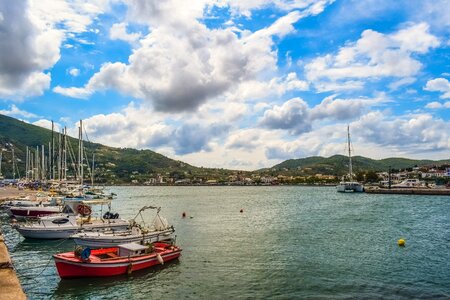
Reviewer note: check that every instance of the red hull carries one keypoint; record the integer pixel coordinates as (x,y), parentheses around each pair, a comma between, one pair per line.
(70,267)
(32,212)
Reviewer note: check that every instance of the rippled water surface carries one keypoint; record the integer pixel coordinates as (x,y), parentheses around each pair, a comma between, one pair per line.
(289,243)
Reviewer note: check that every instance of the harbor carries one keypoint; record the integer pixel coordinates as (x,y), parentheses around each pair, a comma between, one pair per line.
(409,191)
(316,242)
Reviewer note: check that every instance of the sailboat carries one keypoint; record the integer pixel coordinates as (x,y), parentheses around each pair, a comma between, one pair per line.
(350,185)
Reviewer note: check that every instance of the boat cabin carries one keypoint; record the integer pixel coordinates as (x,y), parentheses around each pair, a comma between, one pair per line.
(132,249)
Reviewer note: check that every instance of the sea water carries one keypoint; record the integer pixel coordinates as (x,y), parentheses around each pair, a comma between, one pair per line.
(288,242)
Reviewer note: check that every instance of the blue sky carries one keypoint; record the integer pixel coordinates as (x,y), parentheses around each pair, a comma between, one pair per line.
(234,84)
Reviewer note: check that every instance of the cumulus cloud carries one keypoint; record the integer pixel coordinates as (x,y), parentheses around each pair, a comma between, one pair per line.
(438,105)
(376,134)
(26,52)
(119,32)
(245,7)
(181,63)
(14,111)
(244,139)
(132,128)
(439,85)
(297,117)
(408,133)
(31,33)
(374,55)
(277,86)
(293,115)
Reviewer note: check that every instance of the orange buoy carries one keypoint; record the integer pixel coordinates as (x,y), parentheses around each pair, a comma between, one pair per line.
(241,211)
(183,215)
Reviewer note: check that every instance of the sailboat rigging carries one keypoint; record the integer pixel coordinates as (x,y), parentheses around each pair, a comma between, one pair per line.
(350,185)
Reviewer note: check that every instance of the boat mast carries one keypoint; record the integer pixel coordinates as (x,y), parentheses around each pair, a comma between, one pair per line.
(52,154)
(350,169)
(13,164)
(80,152)
(1,158)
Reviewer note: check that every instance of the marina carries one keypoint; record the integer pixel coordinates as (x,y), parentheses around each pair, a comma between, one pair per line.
(409,191)
(298,242)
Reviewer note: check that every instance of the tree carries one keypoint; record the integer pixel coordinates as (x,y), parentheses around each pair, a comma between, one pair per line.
(371,176)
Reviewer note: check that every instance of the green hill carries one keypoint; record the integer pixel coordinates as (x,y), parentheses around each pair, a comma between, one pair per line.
(124,165)
(338,165)
(112,164)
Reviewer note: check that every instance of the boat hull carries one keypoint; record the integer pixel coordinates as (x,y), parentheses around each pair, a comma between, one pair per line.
(125,265)
(64,232)
(350,187)
(106,241)
(33,212)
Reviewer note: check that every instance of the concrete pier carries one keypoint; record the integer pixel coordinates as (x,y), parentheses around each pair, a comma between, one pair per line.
(10,287)
(409,191)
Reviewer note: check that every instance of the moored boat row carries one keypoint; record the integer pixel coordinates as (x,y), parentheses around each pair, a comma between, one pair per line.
(120,246)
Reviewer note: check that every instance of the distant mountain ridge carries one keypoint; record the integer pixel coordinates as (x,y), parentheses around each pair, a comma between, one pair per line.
(338,164)
(122,165)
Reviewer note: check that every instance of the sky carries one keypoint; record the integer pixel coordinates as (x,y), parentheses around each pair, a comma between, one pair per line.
(237,84)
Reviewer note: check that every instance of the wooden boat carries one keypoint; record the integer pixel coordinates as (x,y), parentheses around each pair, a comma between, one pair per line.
(113,238)
(142,233)
(123,259)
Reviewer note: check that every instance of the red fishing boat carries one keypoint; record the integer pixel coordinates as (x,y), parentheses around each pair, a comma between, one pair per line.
(123,259)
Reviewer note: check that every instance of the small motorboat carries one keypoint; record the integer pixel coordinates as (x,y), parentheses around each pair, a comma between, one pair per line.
(76,217)
(123,259)
(141,233)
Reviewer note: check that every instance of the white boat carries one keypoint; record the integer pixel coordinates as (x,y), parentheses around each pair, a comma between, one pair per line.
(139,233)
(76,217)
(408,183)
(349,186)
(64,226)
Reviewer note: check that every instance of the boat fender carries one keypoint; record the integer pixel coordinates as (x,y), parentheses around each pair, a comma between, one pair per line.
(130,268)
(107,215)
(160,259)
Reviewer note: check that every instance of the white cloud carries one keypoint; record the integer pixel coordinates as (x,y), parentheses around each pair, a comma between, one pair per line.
(245,7)
(119,32)
(48,124)
(401,83)
(31,35)
(374,55)
(73,92)
(297,117)
(439,85)
(293,115)
(14,111)
(74,72)
(376,134)
(181,63)
(438,105)
(178,69)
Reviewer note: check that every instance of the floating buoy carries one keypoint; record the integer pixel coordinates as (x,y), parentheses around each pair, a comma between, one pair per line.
(241,211)
(160,259)
(183,215)
(401,242)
